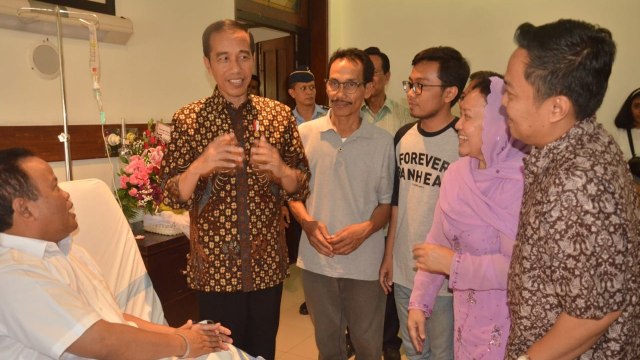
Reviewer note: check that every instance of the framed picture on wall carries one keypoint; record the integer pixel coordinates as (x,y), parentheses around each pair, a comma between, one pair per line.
(291,12)
(99,6)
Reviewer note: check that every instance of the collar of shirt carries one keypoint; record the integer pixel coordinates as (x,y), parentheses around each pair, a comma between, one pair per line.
(386,108)
(35,247)
(366,130)
(218,99)
(318,112)
(540,158)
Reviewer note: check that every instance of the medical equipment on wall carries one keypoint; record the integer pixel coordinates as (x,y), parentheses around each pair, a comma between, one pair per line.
(91,22)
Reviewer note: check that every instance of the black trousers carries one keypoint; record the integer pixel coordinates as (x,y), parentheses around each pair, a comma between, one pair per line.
(292,234)
(253,317)
(390,338)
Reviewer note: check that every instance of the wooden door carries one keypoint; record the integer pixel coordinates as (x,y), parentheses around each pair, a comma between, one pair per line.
(275,62)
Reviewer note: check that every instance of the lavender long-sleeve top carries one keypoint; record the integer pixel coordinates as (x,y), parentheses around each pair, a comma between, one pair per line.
(477,217)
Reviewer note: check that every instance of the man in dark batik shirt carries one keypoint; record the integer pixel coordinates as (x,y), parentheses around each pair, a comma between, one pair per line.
(233,160)
(574,281)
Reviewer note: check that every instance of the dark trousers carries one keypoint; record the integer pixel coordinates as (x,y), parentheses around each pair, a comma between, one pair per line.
(292,234)
(390,338)
(334,304)
(253,317)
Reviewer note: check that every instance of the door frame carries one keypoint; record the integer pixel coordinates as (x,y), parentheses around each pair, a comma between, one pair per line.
(274,82)
(309,27)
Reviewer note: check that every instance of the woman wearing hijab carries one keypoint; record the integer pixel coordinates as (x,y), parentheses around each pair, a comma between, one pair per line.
(474,228)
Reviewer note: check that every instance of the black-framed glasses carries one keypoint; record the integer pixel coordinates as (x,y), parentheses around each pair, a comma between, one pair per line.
(349,87)
(417,87)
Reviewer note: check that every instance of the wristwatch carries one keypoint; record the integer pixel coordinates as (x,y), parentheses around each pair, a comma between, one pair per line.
(523,357)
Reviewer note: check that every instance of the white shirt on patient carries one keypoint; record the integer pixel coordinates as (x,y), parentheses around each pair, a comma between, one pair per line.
(51,294)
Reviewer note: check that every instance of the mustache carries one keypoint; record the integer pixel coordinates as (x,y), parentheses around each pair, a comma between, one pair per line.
(340,100)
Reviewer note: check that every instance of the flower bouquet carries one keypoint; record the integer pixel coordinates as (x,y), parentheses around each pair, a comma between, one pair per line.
(139,174)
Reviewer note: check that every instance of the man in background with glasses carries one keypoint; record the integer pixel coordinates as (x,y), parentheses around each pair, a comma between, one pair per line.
(379,109)
(424,149)
(387,114)
(351,163)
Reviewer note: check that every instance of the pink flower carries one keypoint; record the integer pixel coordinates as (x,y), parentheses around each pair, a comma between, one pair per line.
(140,177)
(135,162)
(133,180)
(123,181)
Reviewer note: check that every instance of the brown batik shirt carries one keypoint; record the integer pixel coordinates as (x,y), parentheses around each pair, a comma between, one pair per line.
(236,242)
(577,249)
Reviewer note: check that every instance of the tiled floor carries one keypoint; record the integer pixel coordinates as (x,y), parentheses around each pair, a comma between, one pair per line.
(295,336)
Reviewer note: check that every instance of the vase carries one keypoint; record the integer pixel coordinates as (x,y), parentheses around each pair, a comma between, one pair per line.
(136,222)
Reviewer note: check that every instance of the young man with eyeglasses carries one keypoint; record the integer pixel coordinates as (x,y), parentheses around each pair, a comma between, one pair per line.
(424,149)
(351,163)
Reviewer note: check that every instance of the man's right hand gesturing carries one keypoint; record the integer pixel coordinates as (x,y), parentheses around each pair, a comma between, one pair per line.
(222,154)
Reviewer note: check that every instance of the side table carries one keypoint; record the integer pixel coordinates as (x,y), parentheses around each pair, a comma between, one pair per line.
(165,258)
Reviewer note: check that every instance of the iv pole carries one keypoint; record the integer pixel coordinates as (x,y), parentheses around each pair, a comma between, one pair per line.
(57,11)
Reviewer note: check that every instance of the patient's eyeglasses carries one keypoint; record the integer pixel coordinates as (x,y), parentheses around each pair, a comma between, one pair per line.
(417,87)
(349,87)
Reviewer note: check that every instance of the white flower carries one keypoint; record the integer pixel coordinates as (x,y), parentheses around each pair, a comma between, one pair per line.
(113,139)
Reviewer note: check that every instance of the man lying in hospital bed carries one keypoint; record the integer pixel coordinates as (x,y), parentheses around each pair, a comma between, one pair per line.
(55,301)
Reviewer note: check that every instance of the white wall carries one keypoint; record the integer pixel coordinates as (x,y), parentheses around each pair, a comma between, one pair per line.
(156,72)
(160,68)
(483,32)
(264,34)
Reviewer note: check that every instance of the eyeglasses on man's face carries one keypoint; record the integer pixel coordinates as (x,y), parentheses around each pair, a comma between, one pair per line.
(417,87)
(349,87)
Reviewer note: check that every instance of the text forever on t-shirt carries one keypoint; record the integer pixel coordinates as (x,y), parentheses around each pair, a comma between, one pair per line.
(421,168)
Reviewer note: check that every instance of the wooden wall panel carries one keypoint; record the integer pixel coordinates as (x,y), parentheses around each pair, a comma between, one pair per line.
(85,140)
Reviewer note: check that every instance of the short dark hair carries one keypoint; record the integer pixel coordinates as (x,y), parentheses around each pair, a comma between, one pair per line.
(481,80)
(624,119)
(356,56)
(453,69)
(571,58)
(386,65)
(220,26)
(15,183)
(256,78)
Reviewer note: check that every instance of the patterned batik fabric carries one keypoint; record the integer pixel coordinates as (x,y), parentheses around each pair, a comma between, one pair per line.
(236,242)
(577,247)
